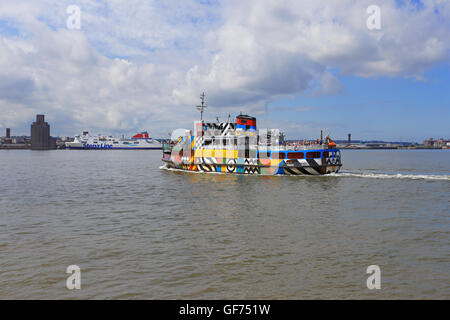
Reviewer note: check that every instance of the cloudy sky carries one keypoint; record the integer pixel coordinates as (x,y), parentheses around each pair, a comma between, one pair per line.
(300,66)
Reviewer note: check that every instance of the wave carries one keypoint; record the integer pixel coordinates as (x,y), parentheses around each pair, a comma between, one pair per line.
(393,176)
(342,174)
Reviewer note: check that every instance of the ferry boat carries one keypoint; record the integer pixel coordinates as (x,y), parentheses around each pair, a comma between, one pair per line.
(140,141)
(239,148)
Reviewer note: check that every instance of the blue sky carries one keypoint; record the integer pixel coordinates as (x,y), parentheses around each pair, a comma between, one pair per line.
(300,66)
(396,109)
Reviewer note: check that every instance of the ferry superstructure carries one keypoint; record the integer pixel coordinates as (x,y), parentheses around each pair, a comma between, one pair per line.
(140,141)
(238,147)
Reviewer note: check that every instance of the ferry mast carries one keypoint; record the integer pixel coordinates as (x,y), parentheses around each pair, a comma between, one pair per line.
(202,107)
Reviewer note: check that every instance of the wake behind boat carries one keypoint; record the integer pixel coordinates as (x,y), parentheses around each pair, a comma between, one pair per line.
(140,141)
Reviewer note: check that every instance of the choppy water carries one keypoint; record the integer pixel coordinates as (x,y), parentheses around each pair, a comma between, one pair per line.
(138,231)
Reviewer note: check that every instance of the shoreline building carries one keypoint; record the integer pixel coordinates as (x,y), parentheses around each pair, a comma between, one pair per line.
(12,143)
(8,139)
(40,135)
(436,144)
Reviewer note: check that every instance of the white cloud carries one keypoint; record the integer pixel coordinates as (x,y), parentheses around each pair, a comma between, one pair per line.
(276,48)
(142,64)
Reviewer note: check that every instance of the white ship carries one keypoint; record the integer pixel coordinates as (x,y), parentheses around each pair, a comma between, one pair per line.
(140,141)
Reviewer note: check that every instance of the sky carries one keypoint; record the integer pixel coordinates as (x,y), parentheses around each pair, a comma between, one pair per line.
(300,66)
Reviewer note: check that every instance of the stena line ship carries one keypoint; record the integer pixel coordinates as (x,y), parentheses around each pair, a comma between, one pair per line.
(239,148)
(140,141)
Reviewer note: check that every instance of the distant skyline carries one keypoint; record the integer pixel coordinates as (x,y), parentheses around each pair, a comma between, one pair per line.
(300,66)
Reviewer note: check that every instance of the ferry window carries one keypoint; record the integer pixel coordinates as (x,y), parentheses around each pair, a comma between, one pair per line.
(136,142)
(295,155)
(278,155)
(326,154)
(312,155)
(115,142)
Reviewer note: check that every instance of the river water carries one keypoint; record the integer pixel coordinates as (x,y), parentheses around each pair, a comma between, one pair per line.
(139,231)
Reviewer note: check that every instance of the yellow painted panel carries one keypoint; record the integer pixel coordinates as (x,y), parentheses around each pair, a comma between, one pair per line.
(198,153)
(275,162)
(208,153)
(220,153)
(231,154)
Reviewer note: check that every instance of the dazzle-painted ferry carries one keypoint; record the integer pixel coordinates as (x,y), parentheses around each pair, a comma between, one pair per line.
(238,147)
(140,141)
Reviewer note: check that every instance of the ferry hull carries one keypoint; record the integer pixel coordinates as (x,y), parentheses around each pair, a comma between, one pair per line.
(330,162)
(294,171)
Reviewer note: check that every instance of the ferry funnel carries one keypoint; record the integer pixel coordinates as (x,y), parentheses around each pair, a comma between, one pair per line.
(246,122)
